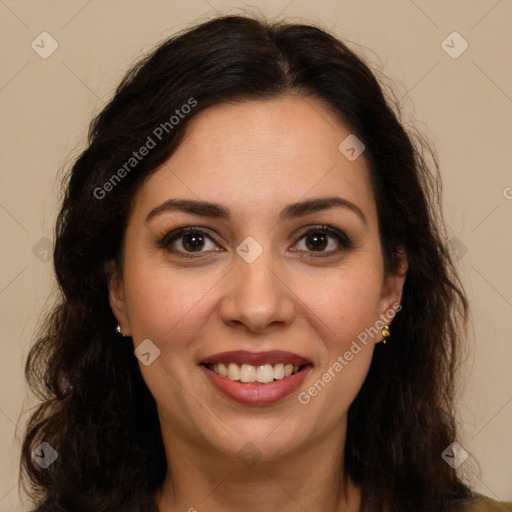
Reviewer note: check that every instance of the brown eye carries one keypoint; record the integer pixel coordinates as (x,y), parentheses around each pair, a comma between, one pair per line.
(186,241)
(192,241)
(318,239)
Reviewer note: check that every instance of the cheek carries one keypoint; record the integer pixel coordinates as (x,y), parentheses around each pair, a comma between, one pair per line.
(346,310)
(163,302)
(345,302)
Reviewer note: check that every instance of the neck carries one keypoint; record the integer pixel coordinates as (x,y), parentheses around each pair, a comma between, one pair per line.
(308,478)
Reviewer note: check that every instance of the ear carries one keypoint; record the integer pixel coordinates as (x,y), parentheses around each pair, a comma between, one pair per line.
(393,285)
(116,296)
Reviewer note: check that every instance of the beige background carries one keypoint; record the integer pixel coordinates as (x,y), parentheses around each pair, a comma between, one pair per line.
(463,105)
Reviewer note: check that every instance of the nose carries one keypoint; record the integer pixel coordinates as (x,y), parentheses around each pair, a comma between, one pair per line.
(257,295)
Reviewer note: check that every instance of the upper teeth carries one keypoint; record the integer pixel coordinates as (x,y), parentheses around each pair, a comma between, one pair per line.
(248,373)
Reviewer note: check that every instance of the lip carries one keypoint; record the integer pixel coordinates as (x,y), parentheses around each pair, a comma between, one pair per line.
(257,394)
(257,358)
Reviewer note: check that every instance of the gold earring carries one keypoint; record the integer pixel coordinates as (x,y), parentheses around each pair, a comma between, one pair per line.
(385,334)
(119,331)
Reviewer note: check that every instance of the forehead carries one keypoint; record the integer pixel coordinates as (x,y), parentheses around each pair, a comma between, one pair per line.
(267,153)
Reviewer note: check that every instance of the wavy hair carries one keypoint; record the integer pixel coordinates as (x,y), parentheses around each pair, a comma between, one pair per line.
(96,410)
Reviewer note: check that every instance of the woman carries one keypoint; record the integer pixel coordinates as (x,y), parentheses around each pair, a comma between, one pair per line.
(258,309)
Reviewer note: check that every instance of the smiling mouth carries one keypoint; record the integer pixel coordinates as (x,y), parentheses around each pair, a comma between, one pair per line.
(252,374)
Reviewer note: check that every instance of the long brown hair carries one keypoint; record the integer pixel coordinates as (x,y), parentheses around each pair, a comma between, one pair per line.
(96,410)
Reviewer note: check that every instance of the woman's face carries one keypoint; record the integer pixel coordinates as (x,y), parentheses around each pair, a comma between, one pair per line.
(253,276)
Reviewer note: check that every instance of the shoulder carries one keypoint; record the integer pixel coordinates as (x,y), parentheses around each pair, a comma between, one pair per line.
(485,504)
(49,506)
(138,502)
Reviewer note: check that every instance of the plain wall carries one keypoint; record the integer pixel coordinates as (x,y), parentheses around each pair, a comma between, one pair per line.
(463,105)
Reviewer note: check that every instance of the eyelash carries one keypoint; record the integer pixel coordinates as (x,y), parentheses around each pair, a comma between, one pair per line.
(339,236)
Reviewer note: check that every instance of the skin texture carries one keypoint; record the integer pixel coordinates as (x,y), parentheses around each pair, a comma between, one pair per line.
(255,157)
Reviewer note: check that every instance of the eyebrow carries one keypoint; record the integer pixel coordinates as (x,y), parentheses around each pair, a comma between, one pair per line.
(291,211)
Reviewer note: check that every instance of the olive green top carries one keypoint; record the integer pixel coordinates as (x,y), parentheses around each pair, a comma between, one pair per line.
(484,504)
(481,504)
